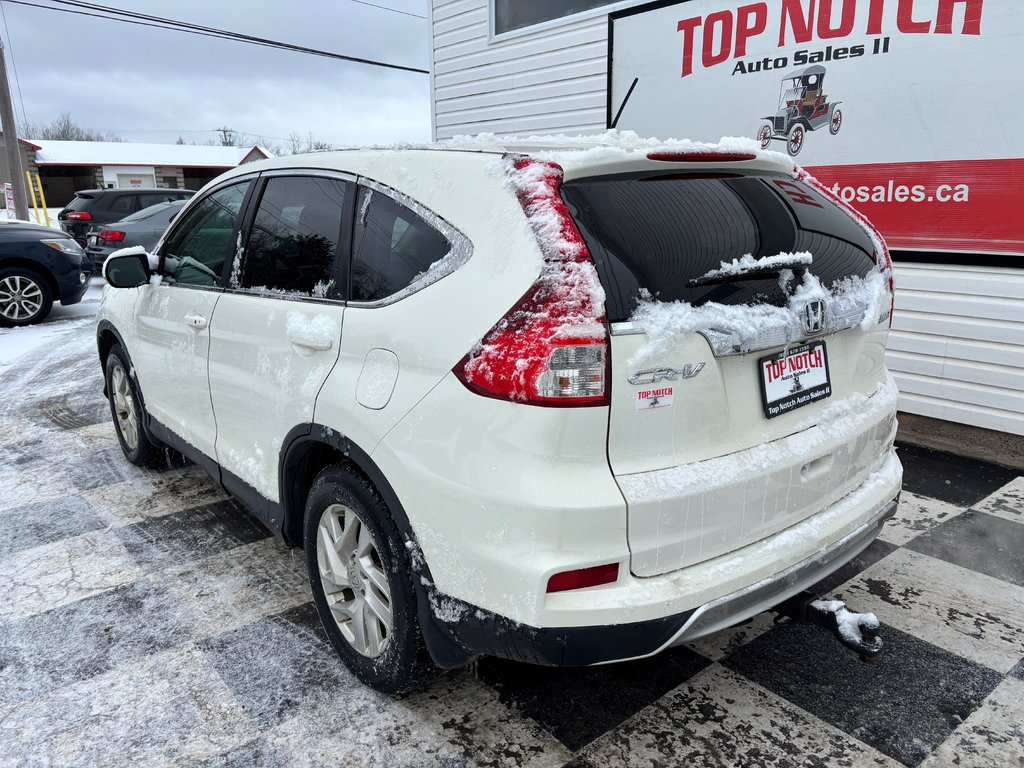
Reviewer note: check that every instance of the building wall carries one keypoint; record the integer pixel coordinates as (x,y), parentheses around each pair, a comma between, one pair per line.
(110,173)
(957,346)
(550,81)
(170,177)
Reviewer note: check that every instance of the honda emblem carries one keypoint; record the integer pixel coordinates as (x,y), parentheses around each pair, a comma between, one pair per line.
(814,317)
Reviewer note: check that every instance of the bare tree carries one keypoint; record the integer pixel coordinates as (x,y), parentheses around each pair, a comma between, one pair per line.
(307,143)
(65,128)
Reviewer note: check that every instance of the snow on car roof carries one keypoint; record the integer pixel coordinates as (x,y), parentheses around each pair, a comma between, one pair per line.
(571,152)
(127,153)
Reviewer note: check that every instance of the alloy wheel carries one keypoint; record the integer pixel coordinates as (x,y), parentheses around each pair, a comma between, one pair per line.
(20,297)
(354,581)
(124,407)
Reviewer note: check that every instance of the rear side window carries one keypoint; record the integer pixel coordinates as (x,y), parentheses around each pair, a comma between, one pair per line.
(200,243)
(122,204)
(80,203)
(392,247)
(295,234)
(655,233)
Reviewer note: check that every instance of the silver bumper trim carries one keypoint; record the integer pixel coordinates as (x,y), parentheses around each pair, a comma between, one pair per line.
(740,605)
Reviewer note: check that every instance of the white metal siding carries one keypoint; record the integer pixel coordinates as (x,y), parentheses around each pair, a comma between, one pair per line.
(957,346)
(551,81)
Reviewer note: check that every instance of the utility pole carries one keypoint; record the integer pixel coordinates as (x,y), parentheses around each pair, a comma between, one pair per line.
(11,142)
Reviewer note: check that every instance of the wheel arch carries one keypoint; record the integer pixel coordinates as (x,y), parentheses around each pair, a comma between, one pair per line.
(35,268)
(106,337)
(309,448)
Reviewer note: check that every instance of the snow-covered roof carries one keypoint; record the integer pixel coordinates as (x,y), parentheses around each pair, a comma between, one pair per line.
(126,153)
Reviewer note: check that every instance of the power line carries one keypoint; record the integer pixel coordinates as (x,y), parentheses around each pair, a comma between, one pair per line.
(388,8)
(145,20)
(14,65)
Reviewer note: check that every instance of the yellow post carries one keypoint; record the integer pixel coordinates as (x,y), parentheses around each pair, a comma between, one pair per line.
(32,192)
(42,199)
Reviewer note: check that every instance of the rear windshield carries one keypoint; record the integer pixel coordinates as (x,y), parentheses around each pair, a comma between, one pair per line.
(656,233)
(79,203)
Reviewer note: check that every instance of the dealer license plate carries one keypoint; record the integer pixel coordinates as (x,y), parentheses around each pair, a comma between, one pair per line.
(794,378)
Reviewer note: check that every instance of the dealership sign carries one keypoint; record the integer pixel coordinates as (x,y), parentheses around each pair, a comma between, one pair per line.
(908,109)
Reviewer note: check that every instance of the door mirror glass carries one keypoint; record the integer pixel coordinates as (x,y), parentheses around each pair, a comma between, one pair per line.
(128,271)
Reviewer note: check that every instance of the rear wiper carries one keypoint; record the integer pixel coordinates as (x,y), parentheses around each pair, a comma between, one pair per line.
(718,276)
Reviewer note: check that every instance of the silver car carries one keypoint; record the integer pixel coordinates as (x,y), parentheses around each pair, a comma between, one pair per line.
(141,228)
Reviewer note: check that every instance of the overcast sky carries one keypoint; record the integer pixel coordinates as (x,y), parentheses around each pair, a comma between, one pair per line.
(153,85)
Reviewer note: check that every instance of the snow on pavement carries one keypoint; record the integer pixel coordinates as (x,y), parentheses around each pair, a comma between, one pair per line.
(146,619)
(16,342)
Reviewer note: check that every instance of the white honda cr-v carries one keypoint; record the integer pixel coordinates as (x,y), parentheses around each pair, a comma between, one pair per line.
(566,403)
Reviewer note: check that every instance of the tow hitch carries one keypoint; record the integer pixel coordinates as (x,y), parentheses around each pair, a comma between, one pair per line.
(857,631)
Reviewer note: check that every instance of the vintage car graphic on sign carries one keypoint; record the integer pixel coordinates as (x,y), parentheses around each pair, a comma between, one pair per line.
(803,106)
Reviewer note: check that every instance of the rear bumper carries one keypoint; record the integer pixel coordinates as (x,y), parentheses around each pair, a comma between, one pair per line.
(484,633)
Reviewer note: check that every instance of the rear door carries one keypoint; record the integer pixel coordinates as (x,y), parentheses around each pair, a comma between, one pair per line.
(752,355)
(277,331)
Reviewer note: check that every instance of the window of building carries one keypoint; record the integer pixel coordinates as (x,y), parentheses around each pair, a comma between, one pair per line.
(510,15)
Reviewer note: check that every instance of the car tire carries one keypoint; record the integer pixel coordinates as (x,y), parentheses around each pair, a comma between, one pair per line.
(361,576)
(127,412)
(25,297)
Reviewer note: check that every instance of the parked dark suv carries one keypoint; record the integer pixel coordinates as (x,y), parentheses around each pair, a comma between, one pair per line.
(37,266)
(92,207)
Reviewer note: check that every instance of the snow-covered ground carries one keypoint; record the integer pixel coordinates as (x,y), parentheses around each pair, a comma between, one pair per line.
(146,619)
(32,214)
(16,342)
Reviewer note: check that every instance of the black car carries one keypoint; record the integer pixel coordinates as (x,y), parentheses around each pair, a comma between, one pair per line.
(37,266)
(93,207)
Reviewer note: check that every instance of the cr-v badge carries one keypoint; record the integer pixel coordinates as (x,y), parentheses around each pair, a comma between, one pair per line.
(654,375)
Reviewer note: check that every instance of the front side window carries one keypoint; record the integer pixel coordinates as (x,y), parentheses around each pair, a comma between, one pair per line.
(392,247)
(295,236)
(198,247)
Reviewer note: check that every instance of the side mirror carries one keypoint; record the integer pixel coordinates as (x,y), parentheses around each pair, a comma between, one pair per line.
(127,270)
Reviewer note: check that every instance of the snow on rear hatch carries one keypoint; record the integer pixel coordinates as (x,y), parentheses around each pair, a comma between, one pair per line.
(706,272)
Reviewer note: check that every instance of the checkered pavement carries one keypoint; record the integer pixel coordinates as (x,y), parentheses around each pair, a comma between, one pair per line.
(146,619)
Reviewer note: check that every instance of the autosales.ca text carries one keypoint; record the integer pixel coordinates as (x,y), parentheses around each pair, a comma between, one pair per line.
(894,192)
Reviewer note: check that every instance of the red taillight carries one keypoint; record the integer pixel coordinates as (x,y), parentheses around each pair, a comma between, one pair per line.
(876,236)
(79,216)
(700,157)
(551,348)
(110,235)
(584,577)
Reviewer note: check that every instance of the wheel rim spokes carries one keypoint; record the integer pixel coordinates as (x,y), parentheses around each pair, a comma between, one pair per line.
(353,579)
(124,407)
(20,297)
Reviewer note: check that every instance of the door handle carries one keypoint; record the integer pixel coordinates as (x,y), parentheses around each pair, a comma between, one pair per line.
(196,321)
(309,341)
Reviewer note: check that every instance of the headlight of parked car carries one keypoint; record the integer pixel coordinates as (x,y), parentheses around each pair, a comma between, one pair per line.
(65,245)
